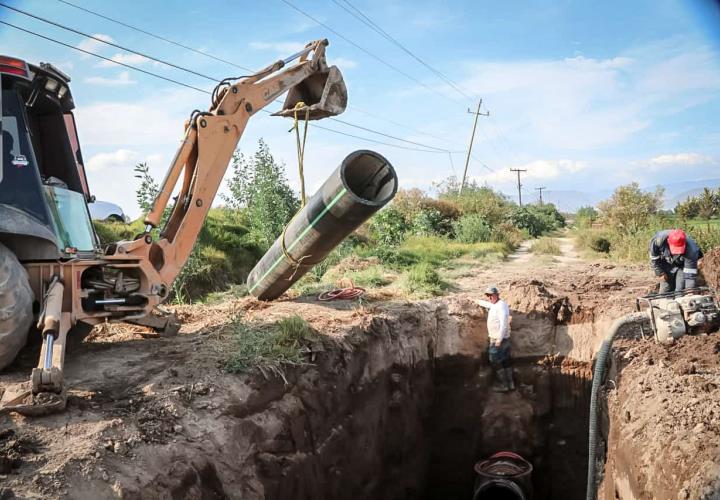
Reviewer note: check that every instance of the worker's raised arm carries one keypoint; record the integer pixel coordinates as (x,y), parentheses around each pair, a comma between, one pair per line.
(315,91)
(484,303)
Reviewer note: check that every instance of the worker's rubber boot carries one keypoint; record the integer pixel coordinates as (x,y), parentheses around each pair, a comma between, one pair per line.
(500,384)
(510,384)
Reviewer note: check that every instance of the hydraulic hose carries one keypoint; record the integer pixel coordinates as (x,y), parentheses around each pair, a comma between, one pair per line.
(598,375)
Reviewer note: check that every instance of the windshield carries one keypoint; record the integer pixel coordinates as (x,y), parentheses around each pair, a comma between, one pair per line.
(20,180)
(72,222)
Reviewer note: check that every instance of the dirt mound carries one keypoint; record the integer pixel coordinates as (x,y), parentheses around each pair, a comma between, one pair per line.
(664,427)
(710,268)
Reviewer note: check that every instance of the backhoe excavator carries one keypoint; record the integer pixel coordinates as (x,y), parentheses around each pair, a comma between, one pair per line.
(53,272)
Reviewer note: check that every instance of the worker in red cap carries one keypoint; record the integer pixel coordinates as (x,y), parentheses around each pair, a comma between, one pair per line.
(674,257)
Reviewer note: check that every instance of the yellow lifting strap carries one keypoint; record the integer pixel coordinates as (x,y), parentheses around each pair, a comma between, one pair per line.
(301,171)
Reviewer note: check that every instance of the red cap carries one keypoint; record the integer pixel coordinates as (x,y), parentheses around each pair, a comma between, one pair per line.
(676,241)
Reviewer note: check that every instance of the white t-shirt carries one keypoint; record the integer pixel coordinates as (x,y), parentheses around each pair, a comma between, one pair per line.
(498,320)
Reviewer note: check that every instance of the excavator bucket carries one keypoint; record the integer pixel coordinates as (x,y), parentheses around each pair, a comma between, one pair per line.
(323,93)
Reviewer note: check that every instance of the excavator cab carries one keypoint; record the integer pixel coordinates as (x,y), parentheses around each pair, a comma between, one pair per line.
(43,189)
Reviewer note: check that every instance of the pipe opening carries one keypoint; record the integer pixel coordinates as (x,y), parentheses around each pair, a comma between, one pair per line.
(369,178)
(500,490)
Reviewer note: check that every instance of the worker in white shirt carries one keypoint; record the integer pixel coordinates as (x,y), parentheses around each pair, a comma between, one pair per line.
(498,325)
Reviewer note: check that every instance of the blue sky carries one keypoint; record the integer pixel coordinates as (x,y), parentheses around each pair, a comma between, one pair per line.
(585,95)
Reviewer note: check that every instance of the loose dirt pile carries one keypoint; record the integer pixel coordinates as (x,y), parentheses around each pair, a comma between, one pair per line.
(665,421)
(710,268)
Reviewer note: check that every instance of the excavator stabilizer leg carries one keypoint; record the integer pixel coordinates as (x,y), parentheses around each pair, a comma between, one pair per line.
(45,392)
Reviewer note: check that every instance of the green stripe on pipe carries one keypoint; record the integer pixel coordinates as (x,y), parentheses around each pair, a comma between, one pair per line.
(301,235)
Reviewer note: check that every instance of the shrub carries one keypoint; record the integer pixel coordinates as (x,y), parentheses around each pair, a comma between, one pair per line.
(600,243)
(472,228)
(388,227)
(493,206)
(430,222)
(630,209)
(508,234)
(585,216)
(527,219)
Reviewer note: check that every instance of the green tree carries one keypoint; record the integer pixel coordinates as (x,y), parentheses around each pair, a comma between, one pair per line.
(629,209)
(259,186)
(688,209)
(585,216)
(707,203)
(472,228)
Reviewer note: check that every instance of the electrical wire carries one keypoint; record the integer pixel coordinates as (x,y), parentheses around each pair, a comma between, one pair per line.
(363,49)
(153,35)
(129,66)
(205,76)
(358,14)
(105,58)
(112,44)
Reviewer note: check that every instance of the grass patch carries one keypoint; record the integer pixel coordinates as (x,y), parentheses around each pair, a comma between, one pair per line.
(546,246)
(423,280)
(270,348)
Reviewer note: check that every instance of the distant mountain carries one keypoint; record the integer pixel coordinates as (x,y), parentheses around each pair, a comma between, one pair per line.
(570,200)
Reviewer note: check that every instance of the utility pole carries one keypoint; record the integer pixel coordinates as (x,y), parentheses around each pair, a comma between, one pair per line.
(518,170)
(541,190)
(472,139)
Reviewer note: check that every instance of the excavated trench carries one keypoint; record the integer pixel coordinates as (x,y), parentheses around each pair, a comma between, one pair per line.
(399,407)
(410,414)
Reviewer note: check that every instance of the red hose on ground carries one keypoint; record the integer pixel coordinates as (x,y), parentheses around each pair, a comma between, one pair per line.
(347,293)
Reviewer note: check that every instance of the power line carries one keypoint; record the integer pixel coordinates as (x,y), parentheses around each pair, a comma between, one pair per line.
(158,37)
(106,58)
(112,44)
(211,56)
(191,71)
(541,190)
(430,149)
(358,14)
(377,58)
(439,150)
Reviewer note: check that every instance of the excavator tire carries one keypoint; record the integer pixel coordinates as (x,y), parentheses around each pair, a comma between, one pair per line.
(16,301)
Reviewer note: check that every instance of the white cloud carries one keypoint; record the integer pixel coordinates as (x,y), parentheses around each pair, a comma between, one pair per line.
(132,59)
(582,104)
(538,169)
(343,63)
(681,159)
(117,159)
(121,79)
(93,45)
(286,48)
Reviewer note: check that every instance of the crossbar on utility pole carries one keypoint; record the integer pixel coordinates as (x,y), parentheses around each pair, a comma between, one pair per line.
(472,139)
(518,170)
(541,190)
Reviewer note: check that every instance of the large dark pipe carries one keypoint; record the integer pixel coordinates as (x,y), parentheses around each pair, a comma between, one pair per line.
(362,184)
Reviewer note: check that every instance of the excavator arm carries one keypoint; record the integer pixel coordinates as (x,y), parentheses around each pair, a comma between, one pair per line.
(211,138)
